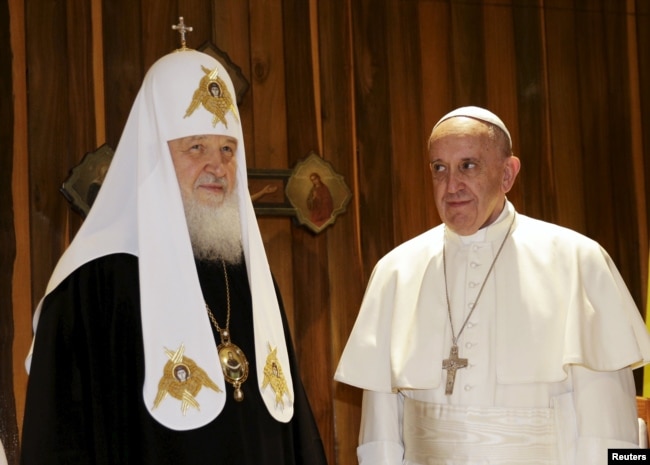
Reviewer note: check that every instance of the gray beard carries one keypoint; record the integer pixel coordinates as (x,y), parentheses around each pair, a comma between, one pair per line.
(215,232)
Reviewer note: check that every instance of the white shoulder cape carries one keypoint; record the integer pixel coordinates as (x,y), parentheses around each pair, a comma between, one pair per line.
(560,301)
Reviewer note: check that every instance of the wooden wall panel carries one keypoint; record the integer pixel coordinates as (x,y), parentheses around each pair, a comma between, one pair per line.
(468,54)
(594,107)
(346,275)
(436,81)
(8,246)
(157,37)
(81,99)
(123,65)
(605,110)
(311,286)
(410,172)
(436,64)
(562,101)
(501,67)
(642,22)
(17,215)
(373,127)
(54,138)
(269,118)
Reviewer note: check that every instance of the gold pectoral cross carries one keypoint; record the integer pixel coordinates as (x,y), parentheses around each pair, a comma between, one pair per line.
(452,364)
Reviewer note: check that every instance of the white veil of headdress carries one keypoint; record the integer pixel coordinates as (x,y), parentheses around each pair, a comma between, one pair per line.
(139,211)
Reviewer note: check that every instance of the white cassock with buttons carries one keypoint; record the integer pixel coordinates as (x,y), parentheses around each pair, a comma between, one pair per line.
(550,350)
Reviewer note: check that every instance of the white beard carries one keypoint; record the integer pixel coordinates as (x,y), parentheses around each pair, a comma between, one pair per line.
(215,232)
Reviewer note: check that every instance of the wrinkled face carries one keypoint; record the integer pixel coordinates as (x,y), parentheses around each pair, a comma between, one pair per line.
(471,172)
(205,167)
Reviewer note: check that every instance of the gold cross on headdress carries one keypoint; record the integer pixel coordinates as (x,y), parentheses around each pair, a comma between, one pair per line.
(182,30)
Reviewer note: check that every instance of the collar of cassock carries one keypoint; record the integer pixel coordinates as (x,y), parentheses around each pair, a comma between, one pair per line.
(139,211)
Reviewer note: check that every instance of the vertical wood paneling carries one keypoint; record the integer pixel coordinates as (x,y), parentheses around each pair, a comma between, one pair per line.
(158,38)
(642,19)
(311,287)
(564,182)
(19,212)
(49,130)
(605,124)
(269,125)
(501,74)
(594,105)
(373,123)
(8,248)
(436,62)
(468,56)
(637,147)
(410,174)
(81,92)
(123,65)
(347,281)
(618,127)
(436,79)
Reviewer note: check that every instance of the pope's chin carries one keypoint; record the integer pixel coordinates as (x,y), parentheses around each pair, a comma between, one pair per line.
(460,223)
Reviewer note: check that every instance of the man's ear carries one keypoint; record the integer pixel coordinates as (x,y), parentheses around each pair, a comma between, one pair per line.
(510,172)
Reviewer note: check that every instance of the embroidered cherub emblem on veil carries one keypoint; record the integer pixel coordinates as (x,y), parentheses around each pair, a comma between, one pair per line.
(215,97)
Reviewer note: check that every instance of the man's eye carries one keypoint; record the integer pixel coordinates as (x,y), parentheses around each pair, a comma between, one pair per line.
(437,167)
(467,165)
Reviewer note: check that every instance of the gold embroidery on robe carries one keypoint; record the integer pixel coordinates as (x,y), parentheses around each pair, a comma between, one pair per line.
(274,377)
(182,379)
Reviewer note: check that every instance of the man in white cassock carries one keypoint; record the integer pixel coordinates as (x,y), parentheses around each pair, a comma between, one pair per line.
(494,337)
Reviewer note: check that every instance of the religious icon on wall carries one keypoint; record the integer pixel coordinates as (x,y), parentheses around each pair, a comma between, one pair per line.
(317,193)
(82,184)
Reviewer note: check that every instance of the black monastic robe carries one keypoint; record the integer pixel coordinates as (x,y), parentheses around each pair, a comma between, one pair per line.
(84,397)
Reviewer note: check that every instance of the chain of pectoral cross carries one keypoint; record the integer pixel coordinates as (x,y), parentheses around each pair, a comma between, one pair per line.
(454,362)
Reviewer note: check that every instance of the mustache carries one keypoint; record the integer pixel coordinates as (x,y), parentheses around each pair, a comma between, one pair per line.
(207,178)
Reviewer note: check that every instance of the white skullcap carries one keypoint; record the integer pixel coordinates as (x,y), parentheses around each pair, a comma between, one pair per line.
(139,211)
(480,114)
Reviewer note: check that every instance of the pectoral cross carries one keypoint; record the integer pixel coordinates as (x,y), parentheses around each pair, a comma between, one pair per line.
(452,364)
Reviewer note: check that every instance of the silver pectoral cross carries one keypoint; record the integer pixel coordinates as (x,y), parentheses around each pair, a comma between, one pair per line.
(452,364)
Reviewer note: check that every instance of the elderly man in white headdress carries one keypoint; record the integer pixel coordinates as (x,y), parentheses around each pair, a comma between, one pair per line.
(161,338)
(494,337)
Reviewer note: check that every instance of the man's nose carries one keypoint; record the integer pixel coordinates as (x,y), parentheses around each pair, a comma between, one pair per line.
(215,161)
(455,181)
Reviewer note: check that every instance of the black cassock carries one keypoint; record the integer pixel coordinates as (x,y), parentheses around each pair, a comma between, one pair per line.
(84,396)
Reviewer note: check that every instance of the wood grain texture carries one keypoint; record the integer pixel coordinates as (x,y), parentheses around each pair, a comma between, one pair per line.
(373,129)
(312,331)
(346,275)
(8,248)
(50,130)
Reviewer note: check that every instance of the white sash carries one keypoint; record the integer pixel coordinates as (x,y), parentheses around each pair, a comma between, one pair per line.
(437,434)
